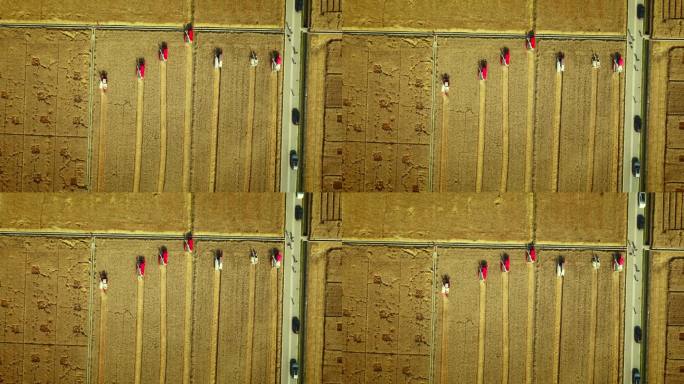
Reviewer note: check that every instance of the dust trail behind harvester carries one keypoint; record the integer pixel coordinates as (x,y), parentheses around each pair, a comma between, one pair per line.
(481,333)
(504,127)
(213,149)
(529,131)
(162,127)
(591,146)
(555,149)
(504,322)
(615,131)
(481,136)
(247,175)
(444,139)
(102,137)
(101,356)
(140,298)
(138,134)
(529,358)
(187,121)
(213,351)
(591,355)
(557,328)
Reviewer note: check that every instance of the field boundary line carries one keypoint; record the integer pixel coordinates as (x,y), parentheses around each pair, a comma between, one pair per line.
(592,325)
(175,27)
(433,118)
(162,126)
(91,74)
(249,136)
(162,324)
(187,117)
(140,309)
(139,110)
(615,131)
(250,325)
(466,34)
(505,331)
(558,319)
(531,304)
(481,332)
(213,149)
(555,149)
(216,309)
(91,305)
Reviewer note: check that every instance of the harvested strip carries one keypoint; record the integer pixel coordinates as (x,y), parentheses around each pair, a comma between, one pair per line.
(187,332)
(101,157)
(271,149)
(250,325)
(187,124)
(556,131)
(481,334)
(139,330)
(214,327)
(272,358)
(162,324)
(250,131)
(504,118)
(444,152)
(214,129)
(103,340)
(444,364)
(557,328)
(615,310)
(615,144)
(162,127)
(138,136)
(592,325)
(481,137)
(504,322)
(529,359)
(591,146)
(529,132)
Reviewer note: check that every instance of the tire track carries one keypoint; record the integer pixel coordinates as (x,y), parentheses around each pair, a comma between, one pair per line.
(247,175)
(529,131)
(444,139)
(272,149)
(162,127)
(615,119)
(481,333)
(102,137)
(591,146)
(505,134)
(615,350)
(138,134)
(555,149)
(272,351)
(213,146)
(481,136)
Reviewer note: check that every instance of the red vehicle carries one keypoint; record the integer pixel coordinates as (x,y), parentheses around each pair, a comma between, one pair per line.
(618,62)
(163,255)
(276,258)
(482,271)
(531,41)
(505,263)
(276,61)
(188,243)
(505,57)
(140,266)
(140,68)
(188,34)
(618,262)
(531,253)
(483,69)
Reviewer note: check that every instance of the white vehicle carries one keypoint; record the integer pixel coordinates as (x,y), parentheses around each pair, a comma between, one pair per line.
(560,267)
(560,62)
(253,257)
(595,262)
(446,284)
(253,59)
(595,61)
(218,58)
(642,199)
(218,260)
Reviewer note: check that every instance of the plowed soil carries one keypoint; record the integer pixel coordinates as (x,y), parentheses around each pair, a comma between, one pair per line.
(44,310)
(43,110)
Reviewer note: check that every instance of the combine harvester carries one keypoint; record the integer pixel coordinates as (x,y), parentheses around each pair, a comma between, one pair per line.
(276,61)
